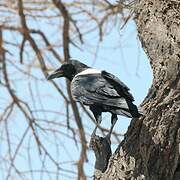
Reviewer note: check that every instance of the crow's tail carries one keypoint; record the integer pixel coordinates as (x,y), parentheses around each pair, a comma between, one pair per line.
(135,112)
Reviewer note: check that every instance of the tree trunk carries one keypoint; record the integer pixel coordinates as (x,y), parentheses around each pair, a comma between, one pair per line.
(151,147)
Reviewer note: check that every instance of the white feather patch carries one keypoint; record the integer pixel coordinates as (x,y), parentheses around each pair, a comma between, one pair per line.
(89,71)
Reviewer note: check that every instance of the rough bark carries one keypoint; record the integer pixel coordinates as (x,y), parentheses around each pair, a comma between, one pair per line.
(151,147)
(102,149)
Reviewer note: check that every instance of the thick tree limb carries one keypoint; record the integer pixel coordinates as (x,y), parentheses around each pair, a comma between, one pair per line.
(102,149)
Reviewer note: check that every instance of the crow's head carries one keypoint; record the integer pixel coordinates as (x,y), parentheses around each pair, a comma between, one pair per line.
(68,69)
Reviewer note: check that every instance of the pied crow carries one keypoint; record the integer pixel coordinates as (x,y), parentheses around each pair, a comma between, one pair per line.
(100,90)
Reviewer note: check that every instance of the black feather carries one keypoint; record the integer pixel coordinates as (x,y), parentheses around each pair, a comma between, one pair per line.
(118,85)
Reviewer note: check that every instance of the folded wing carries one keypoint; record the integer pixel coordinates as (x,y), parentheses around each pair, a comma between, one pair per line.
(95,89)
(118,85)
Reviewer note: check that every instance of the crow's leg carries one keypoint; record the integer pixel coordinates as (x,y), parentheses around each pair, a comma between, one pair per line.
(98,117)
(93,135)
(114,118)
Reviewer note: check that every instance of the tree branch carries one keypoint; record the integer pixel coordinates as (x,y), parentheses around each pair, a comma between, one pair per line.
(66,41)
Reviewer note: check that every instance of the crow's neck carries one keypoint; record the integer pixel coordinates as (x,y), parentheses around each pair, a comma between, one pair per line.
(72,75)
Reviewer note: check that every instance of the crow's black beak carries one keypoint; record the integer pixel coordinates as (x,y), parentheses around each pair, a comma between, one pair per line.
(56,74)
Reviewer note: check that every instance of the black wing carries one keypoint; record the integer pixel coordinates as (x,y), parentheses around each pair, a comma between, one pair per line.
(118,85)
(95,89)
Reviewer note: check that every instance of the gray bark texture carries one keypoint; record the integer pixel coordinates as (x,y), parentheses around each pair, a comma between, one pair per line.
(151,147)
